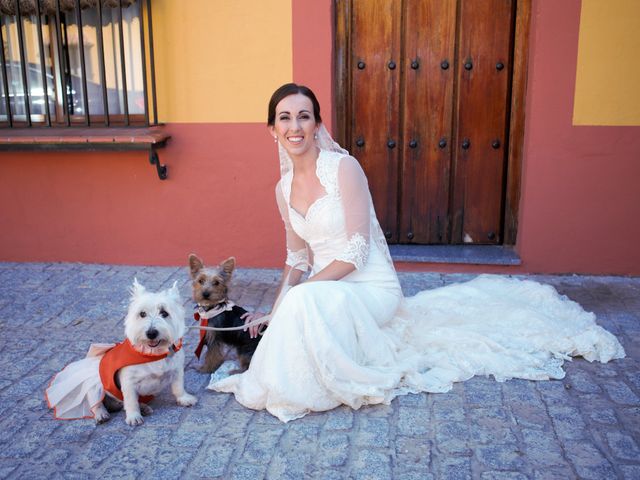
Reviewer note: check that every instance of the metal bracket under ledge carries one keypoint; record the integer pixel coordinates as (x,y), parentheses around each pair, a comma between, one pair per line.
(155,160)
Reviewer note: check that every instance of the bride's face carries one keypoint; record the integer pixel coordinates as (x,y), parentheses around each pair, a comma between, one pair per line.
(295,124)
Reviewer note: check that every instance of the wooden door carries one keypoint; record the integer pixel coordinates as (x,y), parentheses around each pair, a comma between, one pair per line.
(429,42)
(480,130)
(424,98)
(376,90)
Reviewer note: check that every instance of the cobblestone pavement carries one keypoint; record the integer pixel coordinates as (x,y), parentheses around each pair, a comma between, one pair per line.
(585,426)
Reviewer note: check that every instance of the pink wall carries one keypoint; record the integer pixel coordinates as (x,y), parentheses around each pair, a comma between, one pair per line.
(580,206)
(579,203)
(112,208)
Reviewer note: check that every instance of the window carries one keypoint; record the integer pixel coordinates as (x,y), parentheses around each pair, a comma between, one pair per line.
(76,63)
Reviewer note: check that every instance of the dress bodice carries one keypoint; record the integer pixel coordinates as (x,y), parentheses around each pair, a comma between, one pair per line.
(324,227)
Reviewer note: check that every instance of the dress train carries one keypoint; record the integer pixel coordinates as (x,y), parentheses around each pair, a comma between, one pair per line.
(329,344)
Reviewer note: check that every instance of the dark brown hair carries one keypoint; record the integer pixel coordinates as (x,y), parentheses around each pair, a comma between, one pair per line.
(291,89)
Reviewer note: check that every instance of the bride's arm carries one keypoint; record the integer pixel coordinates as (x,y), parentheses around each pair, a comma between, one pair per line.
(334,271)
(354,195)
(296,252)
(294,278)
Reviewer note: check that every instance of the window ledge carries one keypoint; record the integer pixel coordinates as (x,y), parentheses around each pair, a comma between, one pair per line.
(87,139)
(459,254)
(29,137)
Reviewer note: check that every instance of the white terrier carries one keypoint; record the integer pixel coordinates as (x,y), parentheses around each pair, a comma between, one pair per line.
(129,373)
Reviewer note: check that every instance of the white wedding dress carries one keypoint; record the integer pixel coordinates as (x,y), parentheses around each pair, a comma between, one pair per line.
(357,341)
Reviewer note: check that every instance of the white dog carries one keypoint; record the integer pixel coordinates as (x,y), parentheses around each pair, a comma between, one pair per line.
(129,373)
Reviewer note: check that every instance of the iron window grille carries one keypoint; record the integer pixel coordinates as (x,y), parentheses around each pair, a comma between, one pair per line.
(58,68)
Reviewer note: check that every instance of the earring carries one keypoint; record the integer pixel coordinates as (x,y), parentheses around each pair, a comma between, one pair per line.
(275,139)
(315,135)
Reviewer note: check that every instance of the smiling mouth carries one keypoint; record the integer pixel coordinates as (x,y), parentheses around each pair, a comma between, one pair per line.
(296,139)
(154,344)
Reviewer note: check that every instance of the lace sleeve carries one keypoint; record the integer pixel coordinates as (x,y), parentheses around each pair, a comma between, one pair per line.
(355,198)
(296,246)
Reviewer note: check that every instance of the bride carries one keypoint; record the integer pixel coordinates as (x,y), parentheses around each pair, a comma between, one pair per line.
(346,335)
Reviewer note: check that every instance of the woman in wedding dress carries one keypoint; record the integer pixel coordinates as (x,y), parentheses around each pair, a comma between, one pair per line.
(346,335)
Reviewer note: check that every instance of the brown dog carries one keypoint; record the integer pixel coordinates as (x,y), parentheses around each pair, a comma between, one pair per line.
(210,291)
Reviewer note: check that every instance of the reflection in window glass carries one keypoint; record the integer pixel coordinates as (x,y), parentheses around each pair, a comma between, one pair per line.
(63,65)
(34,70)
(112,59)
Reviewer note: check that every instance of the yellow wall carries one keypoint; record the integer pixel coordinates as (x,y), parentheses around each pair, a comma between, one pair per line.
(608,75)
(220,60)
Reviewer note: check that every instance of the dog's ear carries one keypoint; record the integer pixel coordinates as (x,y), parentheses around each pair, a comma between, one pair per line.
(195,265)
(174,292)
(228,266)
(137,289)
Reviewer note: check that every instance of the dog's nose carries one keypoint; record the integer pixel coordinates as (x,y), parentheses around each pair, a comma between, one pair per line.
(152,333)
(205,294)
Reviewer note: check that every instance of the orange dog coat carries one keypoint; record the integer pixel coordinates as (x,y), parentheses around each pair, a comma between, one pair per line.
(124,355)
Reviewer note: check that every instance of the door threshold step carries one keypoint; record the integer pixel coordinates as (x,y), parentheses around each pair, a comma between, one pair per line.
(463,254)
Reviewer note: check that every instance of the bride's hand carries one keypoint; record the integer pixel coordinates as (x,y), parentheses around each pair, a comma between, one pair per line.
(250,317)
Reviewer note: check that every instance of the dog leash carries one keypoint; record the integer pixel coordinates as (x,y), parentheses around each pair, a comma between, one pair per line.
(229,329)
(258,321)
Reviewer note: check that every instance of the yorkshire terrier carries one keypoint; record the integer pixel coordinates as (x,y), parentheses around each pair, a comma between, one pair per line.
(214,309)
(129,373)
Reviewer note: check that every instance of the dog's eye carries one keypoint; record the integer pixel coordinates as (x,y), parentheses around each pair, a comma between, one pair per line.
(163,313)
(143,314)
(216,283)
(201,281)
